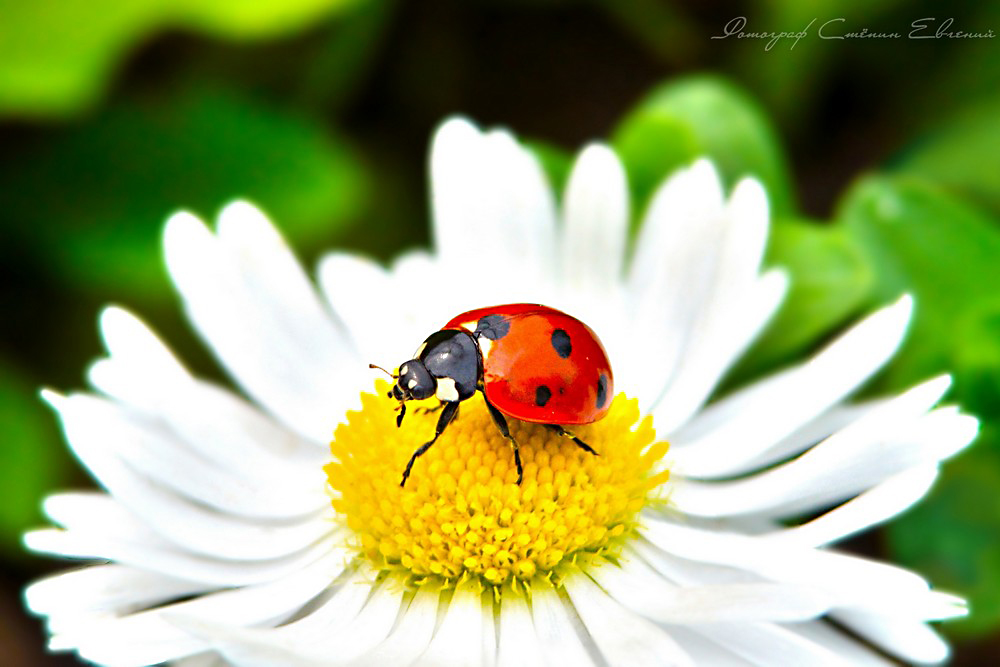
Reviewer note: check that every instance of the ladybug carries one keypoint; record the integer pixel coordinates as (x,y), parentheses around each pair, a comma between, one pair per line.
(531,362)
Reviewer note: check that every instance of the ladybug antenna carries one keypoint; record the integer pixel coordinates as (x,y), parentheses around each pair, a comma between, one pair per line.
(383,370)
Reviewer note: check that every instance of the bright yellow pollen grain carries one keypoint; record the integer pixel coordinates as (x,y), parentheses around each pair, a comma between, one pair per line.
(462,514)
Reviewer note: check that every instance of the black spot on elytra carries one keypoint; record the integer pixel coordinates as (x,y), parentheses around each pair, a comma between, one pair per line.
(493,327)
(602,391)
(562,343)
(542,395)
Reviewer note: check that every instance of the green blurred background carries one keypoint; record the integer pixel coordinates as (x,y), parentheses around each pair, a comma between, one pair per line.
(882,158)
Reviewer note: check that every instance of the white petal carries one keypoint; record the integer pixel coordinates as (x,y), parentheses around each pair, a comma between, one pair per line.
(142,373)
(908,639)
(802,438)
(114,443)
(152,636)
(732,305)
(557,629)
(411,635)
(518,644)
(885,442)
(248,298)
(104,589)
(458,640)
(595,222)
(717,339)
(493,211)
(134,346)
(354,619)
(640,589)
(704,651)
(770,645)
(682,214)
(140,551)
(676,255)
(878,504)
(689,572)
(99,514)
(623,637)
(90,430)
(372,306)
(847,647)
(209,659)
(776,408)
(853,581)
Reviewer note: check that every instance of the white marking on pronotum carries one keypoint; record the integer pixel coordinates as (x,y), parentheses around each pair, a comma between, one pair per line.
(412,383)
(485,345)
(446,390)
(469,326)
(420,350)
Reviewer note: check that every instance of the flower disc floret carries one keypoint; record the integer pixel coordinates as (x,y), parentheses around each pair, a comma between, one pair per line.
(462,513)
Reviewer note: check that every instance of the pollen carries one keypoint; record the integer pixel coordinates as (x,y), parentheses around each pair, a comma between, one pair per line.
(462,513)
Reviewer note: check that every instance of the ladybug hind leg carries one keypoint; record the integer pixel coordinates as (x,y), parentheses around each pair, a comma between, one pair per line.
(447,414)
(579,443)
(501,423)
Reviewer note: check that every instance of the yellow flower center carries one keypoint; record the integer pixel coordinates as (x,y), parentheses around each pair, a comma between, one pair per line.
(462,513)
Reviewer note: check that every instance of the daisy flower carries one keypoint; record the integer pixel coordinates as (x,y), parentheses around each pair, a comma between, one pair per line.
(231,532)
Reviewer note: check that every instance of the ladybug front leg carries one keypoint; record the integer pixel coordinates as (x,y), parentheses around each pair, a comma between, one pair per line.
(501,423)
(449,412)
(579,443)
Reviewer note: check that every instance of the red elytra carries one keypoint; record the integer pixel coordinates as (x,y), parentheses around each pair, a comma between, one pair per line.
(548,368)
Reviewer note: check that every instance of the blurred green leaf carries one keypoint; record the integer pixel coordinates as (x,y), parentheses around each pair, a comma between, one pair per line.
(702,116)
(962,154)
(829,281)
(92,200)
(922,240)
(56,56)
(32,459)
(977,359)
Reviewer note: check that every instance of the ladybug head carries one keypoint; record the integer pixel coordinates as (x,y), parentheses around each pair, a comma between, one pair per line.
(414,383)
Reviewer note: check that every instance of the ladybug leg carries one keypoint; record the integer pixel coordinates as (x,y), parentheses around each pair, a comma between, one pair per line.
(426,411)
(449,412)
(579,443)
(501,423)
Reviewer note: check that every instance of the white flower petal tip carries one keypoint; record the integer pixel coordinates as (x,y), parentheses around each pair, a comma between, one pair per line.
(181,219)
(243,221)
(594,221)
(886,328)
(459,125)
(704,173)
(242,209)
(53,398)
(452,141)
(491,201)
(183,233)
(749,197)
(132,345)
